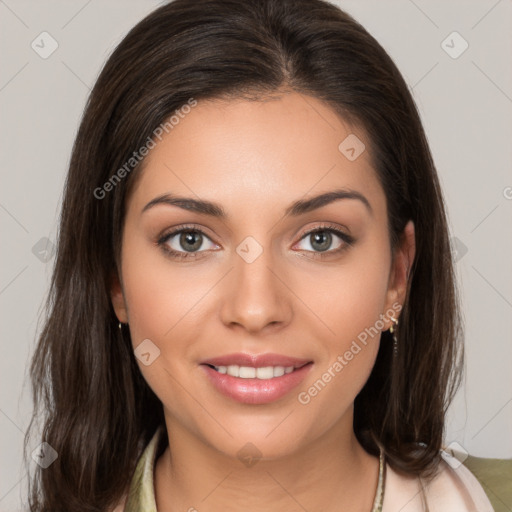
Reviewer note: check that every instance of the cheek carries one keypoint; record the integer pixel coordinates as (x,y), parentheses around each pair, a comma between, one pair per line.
(350,353)
(348,297)
(160,294)
(361,301)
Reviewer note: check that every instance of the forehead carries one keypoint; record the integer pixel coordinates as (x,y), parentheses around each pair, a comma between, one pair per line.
(248,154)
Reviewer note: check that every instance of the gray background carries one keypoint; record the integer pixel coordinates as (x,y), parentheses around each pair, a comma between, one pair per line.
(466,106)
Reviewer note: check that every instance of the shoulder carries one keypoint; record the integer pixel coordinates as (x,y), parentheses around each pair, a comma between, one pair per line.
(453,488)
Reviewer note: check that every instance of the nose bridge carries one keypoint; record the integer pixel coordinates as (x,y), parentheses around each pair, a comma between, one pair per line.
(256,296)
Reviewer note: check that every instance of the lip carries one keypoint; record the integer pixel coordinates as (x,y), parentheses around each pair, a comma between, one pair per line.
(256,360)
(256,391)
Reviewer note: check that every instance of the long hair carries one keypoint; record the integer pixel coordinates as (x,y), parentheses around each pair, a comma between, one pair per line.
(96,410)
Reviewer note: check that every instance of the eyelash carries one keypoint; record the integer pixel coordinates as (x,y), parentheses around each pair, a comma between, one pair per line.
(347,241)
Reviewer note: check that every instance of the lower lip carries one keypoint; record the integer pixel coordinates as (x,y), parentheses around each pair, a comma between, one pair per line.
(256,391)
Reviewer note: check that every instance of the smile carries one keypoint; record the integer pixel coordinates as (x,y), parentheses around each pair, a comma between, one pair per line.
(250,385)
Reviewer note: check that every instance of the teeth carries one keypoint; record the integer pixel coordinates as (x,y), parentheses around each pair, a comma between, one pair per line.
(245,372)
(265,373)
(248,372)
(279,370)
(233,370)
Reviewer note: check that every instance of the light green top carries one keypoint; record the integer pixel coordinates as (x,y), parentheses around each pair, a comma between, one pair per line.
(141,497)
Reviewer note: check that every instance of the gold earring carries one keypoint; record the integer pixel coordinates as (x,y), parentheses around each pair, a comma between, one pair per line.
(392,330)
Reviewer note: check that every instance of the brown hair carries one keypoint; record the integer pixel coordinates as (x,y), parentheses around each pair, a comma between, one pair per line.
(98,412)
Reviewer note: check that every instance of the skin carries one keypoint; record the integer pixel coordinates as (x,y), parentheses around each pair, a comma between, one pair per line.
(255,159)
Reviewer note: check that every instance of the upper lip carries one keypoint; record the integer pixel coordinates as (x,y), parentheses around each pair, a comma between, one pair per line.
(256,360)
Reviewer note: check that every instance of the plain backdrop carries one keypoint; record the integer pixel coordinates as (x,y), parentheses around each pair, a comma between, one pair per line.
(462,83)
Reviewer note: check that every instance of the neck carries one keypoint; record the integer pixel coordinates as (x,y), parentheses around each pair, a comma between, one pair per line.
(330,474)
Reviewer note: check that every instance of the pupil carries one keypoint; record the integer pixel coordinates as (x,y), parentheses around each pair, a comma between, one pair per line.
(323,238)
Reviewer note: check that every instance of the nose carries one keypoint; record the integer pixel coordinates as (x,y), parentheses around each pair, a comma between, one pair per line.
(256,295)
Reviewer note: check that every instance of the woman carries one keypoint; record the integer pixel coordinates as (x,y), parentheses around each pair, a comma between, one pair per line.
(253,302)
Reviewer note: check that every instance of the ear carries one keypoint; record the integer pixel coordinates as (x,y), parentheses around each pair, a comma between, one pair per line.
(400,267)
(117,297)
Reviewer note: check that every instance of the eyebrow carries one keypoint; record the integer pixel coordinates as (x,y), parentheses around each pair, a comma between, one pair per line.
(297,208)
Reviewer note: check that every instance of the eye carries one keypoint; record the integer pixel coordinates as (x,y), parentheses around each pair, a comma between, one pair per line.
(189,241)
(185,242)
(320,240)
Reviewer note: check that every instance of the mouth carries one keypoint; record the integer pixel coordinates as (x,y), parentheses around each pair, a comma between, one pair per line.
(259,379)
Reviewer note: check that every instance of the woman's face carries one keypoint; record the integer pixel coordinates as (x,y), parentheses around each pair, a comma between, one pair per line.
(251,281)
